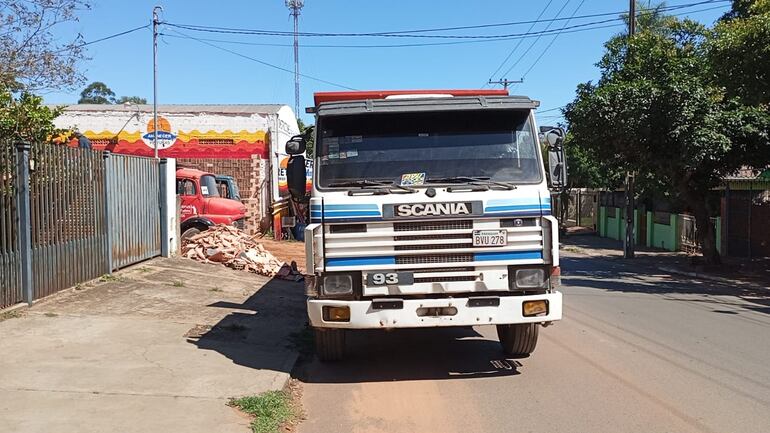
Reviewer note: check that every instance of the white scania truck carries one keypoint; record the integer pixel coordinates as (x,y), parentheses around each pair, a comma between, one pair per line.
(429,209)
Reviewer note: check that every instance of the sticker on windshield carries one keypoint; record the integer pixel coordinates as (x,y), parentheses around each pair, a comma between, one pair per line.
(352,153)
(204,190)
(343,155)
(332,140)
(412,179)
(334,155)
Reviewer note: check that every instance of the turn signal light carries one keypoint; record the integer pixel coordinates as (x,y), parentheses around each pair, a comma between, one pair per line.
(535,308)
(336,314)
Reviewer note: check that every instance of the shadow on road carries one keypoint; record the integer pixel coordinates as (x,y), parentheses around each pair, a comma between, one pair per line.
(623,276)
(412,354)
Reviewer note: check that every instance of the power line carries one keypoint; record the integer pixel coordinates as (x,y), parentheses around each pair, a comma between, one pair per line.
(410,45)
(638,14)
(416,33)
(553,40)
(84,44)
(262,62)
(532,45)
(520,40)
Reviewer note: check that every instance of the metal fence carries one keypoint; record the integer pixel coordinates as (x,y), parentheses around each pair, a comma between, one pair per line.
(581,208)
(69,215)
(10,259)
(134,208)
(688,233)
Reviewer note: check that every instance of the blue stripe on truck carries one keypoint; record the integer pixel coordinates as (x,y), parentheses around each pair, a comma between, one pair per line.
(361,261)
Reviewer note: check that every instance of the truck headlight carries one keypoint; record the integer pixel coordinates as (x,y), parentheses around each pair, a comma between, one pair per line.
(530,278)
(338,284)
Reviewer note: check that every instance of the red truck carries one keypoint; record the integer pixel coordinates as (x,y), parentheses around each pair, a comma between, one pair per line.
(202,206)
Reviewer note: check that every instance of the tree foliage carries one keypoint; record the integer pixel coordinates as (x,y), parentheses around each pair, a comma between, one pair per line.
(33,59)
(739,51)
(130,100)
(24,117)
(310,143)
(99,93)
(656,110)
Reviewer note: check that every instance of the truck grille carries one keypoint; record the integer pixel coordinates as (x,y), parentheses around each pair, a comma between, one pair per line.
(433,225)
(434,258)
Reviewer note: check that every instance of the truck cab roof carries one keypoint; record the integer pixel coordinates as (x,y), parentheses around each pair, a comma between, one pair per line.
(430,102)
(191,173)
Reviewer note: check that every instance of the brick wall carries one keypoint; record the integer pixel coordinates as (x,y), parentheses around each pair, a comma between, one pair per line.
(249,174)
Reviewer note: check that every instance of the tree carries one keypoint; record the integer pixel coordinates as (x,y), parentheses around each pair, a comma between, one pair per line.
(656,110)
(739,51)
(25,118)
(310,144)
(130,100)
(33,59)
(97,93)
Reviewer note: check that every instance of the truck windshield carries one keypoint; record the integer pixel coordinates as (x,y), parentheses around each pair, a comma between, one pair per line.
(498,145)
(209,186)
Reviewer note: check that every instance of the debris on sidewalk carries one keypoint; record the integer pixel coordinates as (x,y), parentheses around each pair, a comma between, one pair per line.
(237,250)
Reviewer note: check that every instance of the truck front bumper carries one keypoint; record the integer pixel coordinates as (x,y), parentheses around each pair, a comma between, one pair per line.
(364,315)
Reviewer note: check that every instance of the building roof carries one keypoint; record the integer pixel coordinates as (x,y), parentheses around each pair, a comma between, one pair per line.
(182,108)
(749,174)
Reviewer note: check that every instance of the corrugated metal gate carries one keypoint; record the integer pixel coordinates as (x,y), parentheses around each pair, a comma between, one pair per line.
(134,208)
(67,216)
(10,281)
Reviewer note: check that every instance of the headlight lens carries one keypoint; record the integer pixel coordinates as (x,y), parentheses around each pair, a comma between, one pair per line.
(530,278)
(338,284)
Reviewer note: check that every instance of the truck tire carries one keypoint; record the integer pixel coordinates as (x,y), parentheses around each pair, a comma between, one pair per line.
(330,344)
(518,340)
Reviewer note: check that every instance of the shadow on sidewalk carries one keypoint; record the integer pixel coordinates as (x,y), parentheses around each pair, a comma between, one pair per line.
(258,336)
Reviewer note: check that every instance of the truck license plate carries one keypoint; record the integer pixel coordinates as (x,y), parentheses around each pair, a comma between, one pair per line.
(490,238)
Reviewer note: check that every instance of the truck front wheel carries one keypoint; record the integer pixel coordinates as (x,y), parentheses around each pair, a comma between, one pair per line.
(518,340)
(330,344)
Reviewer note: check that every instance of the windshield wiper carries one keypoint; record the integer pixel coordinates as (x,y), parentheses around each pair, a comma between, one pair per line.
(471,180)
(378,186)
(360,182)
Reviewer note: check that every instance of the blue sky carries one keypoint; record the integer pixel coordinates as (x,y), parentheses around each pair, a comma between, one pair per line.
(191,72)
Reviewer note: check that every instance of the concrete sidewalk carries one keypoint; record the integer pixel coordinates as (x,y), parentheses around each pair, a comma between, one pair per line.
(160,349)
(733,272)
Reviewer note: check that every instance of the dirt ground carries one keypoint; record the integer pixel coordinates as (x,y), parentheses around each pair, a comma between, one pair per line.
(287,251)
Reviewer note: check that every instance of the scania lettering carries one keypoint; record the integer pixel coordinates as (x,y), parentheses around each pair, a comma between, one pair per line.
(429,209)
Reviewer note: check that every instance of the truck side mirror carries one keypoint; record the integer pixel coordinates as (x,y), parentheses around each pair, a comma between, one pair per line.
(296,145)
(557,159)
(296,177)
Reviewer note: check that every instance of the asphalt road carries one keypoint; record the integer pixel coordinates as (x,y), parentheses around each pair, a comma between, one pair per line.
(635,352)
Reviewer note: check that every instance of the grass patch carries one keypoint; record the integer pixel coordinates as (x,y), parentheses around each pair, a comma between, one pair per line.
(13,314)
(108,277)
(144,269)
(49,314)
(215,289)
(270,410)
(178,283)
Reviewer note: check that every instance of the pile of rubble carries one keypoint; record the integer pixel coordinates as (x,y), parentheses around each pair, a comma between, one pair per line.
(235,249)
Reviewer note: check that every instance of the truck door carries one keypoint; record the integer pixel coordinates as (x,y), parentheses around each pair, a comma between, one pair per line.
(187,191)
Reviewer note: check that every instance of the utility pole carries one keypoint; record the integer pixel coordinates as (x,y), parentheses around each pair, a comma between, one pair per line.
(505,82)
(295,6)
(628,240)
(155,22)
